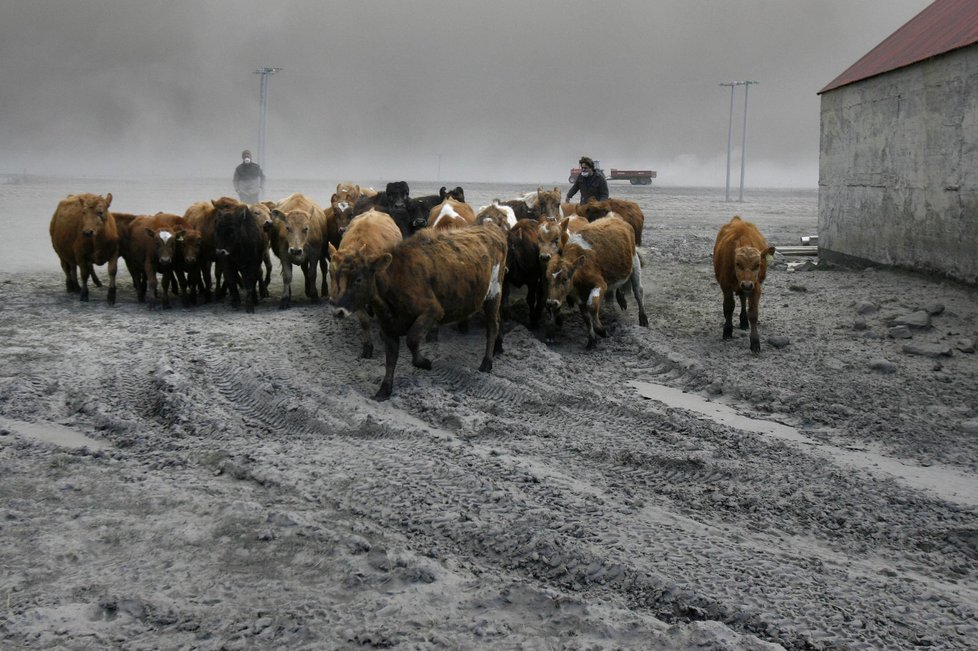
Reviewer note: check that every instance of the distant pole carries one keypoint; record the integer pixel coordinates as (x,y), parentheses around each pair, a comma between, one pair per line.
(263,111)
(743,146)
(732,84)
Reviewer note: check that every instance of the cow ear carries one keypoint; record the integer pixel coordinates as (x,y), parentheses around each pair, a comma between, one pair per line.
(331,249)
(334,198)
(442,192)
(557,190)
(150,232)
(564,223)
(381,263)
(769,250)
(578,263)
(278,214)
(108,199)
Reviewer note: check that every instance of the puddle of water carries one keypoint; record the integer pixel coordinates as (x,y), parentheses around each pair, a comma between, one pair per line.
(948,483)
(52,433)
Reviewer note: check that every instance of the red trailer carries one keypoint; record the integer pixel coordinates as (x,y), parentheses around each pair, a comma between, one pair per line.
(635,177)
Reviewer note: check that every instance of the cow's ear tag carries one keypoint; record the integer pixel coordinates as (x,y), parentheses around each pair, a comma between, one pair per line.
(769,258)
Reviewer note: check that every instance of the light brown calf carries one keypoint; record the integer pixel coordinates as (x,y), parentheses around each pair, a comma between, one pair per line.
(740,265)
(297,234)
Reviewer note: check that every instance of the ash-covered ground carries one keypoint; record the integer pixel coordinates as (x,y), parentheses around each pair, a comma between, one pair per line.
(204,478)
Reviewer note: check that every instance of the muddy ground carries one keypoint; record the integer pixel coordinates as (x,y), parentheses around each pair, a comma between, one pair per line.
(209,479)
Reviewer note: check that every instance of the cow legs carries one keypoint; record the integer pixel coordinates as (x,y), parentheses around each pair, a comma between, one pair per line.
(620,298)
(71,277)
(534,300)
(309,272)
(250,281)
(755,338)
(286,299)
(638,293)
(167,281)
(494,333)
(392,345)
(265,280)
(86,270)
(94,276)
(367,349)
(425,322)
(744,322)
(728,308)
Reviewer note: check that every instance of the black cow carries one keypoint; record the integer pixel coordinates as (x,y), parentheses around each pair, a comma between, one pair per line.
(396,202)
(240,251)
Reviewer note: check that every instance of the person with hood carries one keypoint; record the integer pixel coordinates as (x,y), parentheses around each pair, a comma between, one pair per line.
(590,182)
(249,180)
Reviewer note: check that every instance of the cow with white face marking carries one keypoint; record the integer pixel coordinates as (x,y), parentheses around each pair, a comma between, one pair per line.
(599,258)
(432,278)
(497,213)
(153,250)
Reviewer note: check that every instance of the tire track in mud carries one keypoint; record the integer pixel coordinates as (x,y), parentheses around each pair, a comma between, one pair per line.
(494,514)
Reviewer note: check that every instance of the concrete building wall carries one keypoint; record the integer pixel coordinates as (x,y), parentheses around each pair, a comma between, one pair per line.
(898,168)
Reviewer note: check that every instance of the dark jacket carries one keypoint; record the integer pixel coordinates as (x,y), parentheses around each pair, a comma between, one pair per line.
(248,172)
(590,186)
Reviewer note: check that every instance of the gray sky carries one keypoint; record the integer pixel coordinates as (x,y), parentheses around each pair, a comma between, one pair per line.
(383,90)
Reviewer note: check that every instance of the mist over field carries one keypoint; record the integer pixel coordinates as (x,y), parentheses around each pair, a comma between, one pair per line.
(429,90)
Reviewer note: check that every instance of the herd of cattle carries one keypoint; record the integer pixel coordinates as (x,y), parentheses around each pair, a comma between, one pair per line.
(408,263)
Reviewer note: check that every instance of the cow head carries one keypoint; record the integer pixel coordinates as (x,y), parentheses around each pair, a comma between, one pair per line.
(351,278)
(750,266)
(560,277)
(418,213)
(188,245)
(548,204)
(229,220)
(551,238)
(164,245)
(348,191)
(263,214)
(594,209)
(342,210)
(297,228)
(95,213)
(397,195)
(458,193)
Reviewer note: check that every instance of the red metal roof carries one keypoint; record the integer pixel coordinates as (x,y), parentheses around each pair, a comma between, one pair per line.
(941,27)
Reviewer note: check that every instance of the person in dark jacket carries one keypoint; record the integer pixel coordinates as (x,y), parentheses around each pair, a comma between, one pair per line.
(590,182)
(249,180)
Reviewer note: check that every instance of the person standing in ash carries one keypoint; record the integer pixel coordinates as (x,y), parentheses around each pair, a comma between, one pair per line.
(249,180)
(590,182)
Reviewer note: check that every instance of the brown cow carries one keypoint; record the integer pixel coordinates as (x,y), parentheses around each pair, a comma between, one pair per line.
(451,213)
(153,249)
(523,267)
(548,204)
(369,236)
(625,209)
(203,217)
(595,260)
(740,258)
(297,235)
(84,234)
(263,215)
(430,279)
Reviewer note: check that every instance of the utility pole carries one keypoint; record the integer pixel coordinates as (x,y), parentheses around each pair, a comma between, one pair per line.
(729,135)
(263,111)
(743,147)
